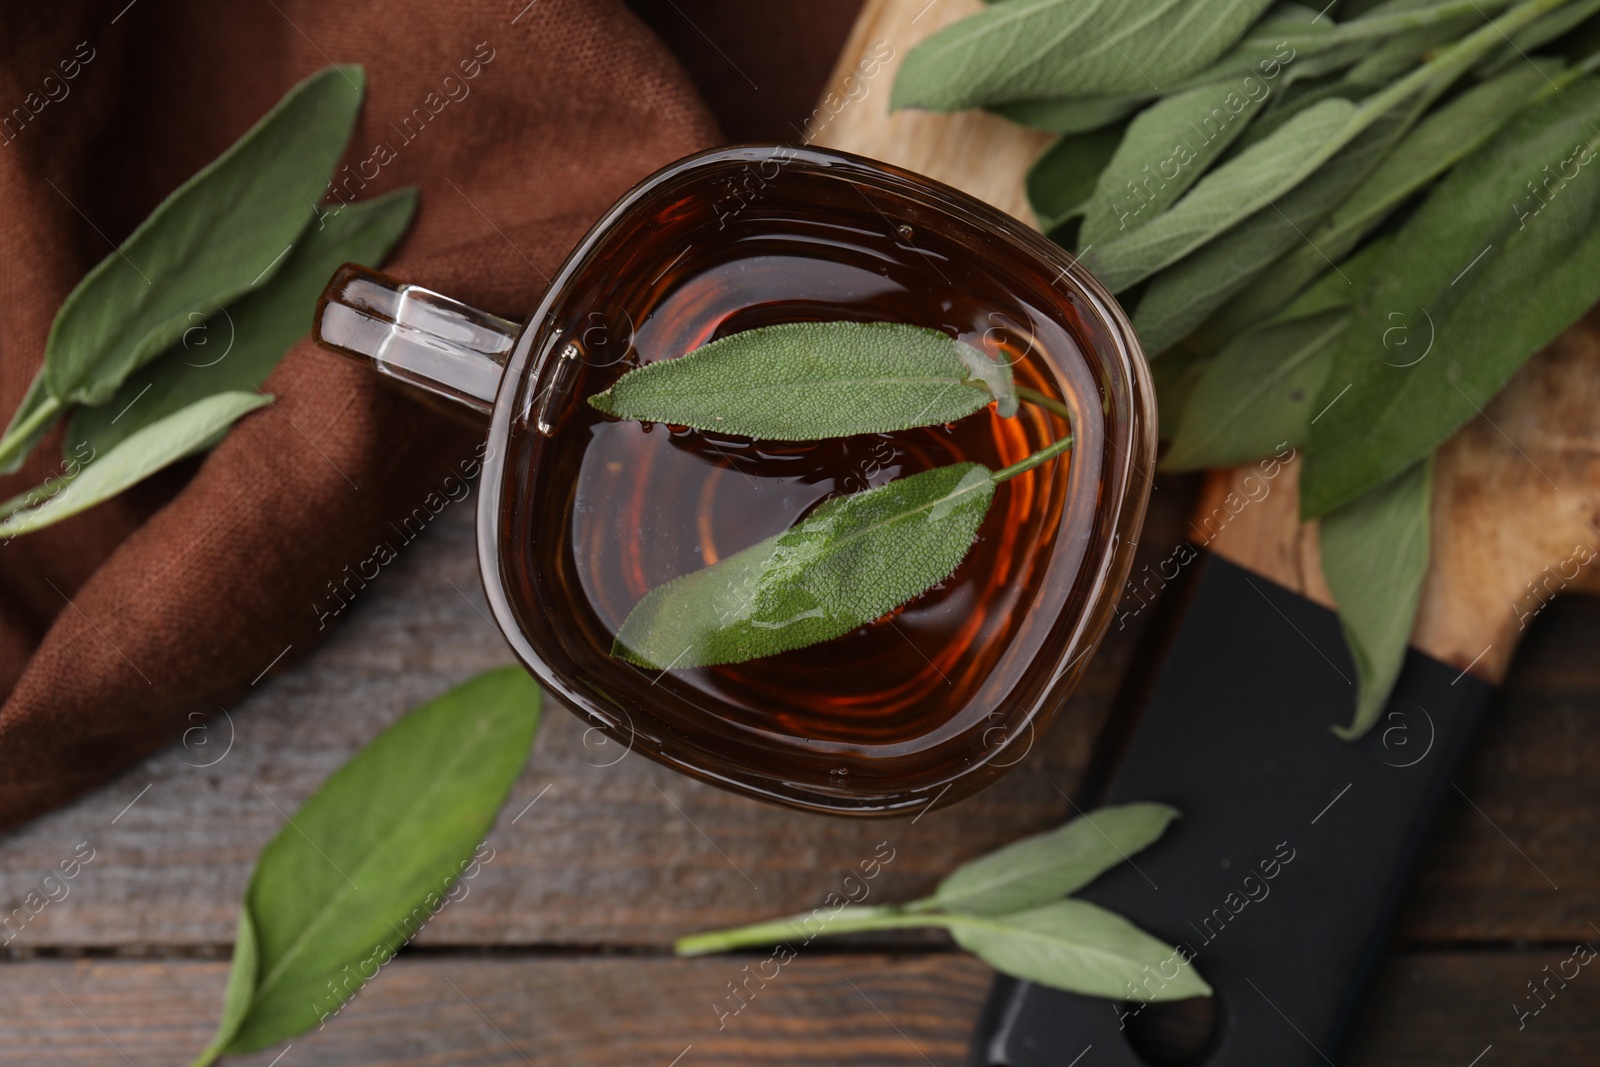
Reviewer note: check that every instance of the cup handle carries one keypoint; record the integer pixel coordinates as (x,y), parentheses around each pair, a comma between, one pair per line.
(415,335)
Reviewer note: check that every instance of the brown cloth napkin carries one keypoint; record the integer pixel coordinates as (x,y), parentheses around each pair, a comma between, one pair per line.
(176,597)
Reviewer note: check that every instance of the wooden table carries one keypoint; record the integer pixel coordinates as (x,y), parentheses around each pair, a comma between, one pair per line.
(560,953)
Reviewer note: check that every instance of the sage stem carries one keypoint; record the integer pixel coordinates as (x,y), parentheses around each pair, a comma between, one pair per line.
(802,927)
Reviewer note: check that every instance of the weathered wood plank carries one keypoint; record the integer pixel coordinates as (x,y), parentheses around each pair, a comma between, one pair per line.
(628,853)
(1517,854)
(604,858)
(866,1010)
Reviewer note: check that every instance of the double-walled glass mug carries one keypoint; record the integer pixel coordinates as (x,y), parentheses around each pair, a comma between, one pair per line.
(581,514)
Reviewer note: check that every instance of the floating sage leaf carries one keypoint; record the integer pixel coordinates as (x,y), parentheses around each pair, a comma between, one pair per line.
(1036,49)
(371,854)
(853,560)
(1488,271)
(1256,395)
(1167,147)
(1060,182)
(1374,556)
(1433,146)
(1047,866)
(135,458)
(1076,946)
(804,381)
(220,234)
(237,348)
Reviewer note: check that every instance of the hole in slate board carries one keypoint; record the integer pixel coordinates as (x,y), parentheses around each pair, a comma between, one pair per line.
(1174,1032)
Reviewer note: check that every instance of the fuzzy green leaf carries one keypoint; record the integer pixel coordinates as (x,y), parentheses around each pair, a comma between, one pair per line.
(1166,149)
(1061,181)
(237,348)
(1182,296)
(1270,168)
(241,988)
(1238,188)
(853,560)
(1079,947)
(1037,49)
(1047,866)
(1070,114)
(219,235)
(803,381)
(366,859)
(1434,145)
(135,458)
(1374,557)
(1256,395)
(1337,289)
(1486,271)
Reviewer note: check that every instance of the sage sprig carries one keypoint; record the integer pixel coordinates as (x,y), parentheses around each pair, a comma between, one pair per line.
(369,857)
(1006,908)
(856,557)
(1252,203)
(164,344)
(219,235)
(1493,265)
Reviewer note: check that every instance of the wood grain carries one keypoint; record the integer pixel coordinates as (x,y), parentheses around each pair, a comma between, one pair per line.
(865,1010)
(623,854)
(633,855)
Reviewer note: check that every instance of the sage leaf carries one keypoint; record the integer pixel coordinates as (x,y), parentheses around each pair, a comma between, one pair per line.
(1337,289)
(804,381)
(1490,269)
(1538,34)
(1165,150)
(134,459)
(1181,297)
(1079,947)
(1234,190)
(1437,142)
(1257,394)
(1036,49)
(218,235)
(1047,866)
(31,421)
(1374,556)
(373,852)
(1265,54)
(237,348)
(1060,182)
(1406,49)
(853,560)
(1280,162)
(1175,375)
(241,988)
(1069,114)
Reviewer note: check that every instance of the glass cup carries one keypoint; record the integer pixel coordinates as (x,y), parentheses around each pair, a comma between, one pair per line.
(580,514)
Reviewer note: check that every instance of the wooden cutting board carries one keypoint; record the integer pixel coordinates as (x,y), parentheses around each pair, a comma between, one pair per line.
(1516,510)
